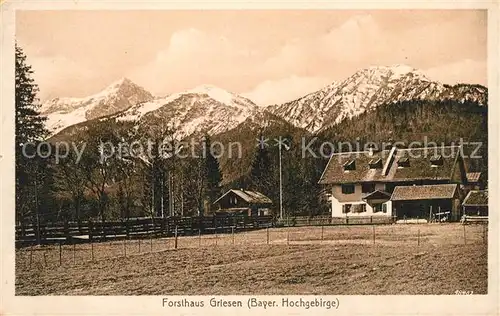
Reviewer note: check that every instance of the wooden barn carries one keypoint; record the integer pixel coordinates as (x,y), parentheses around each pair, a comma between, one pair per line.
(426,201)
(251,203)
(476,203)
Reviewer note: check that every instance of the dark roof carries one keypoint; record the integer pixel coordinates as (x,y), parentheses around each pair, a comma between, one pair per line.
(378,194)
(335,173)
(249,196)
(476,198)
(473,176)
(419,166)
(424,192)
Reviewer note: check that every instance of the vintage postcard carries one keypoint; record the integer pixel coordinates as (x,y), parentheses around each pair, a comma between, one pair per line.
(211,158)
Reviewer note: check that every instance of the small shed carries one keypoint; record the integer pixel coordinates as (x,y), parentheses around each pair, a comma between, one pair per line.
(427,201)
(251,203)
(476,203)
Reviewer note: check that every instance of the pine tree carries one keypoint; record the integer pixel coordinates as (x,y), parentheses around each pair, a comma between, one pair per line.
(29,124)
(212,173)
(29,128)
(261,171)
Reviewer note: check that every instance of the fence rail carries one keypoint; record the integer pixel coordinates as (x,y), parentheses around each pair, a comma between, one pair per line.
(328,220)
(473,219)
(139,228)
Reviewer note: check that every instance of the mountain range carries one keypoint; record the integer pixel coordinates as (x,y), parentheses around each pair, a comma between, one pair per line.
(212,110)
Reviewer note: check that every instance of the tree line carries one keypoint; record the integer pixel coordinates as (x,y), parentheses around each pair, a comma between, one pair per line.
(119,187)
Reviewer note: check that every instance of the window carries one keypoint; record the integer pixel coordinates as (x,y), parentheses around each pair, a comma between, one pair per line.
(381,207)
(375,163)
(367,187)
(358,208)
(350,165)
(436,161)
(346,208)
(348,188)
(403,162)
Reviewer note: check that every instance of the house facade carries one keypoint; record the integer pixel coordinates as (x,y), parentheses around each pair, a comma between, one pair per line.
(400,182)
(250,203)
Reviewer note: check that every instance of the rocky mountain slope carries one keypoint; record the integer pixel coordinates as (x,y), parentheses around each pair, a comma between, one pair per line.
(204,109)
(367,89)
(209,109)
(117,97)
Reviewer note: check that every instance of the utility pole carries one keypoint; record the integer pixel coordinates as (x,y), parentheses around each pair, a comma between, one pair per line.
(281,142)
(281,187)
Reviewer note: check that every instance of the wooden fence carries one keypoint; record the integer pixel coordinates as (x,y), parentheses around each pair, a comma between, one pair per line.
(467,219)
(328,220)
(136,228)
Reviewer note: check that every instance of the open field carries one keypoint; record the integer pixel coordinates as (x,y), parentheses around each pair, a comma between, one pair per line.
(402,259)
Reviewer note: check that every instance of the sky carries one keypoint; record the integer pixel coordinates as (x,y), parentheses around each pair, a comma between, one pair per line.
(269,56)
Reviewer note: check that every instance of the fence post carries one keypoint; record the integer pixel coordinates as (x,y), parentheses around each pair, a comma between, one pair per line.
(216,238)
(214,223)
(60,253)
(418,237)
(373,234)
(91,237)
(31,255)
(151,241)
(484,233)
(267,229)
(66,230)
(322,228)
(287,238)
(465,238)
(232,233)
(92,250)
(175,240)
(127,228)
(139,245)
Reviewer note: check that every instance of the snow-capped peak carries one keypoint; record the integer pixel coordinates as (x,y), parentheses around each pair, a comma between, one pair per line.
(116,97)
(399,70)
(364,90)
(205,108)
(220,95)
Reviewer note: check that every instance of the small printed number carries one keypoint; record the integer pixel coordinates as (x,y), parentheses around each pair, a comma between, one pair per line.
(460,292)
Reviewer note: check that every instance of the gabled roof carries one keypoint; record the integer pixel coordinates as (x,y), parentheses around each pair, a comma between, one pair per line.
(424,192)
(476,198)
(419,166)
(335,173)
(378,194)
(248,196)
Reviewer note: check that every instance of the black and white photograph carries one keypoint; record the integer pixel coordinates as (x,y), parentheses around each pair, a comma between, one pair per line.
(299,155)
